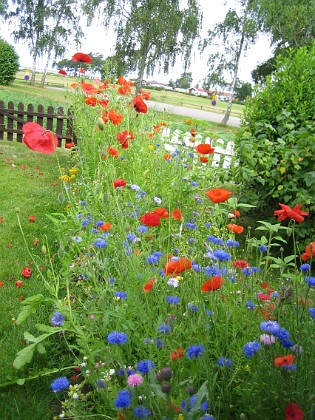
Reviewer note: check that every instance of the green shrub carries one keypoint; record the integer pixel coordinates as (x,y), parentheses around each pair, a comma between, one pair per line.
(9,63)
(275,144)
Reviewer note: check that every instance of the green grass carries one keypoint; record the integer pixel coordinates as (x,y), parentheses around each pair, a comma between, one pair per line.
(24,192)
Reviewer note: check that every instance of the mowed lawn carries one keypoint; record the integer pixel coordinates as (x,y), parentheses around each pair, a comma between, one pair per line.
(30,188)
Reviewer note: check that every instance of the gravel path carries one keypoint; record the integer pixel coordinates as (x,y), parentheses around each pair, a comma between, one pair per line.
(193,113)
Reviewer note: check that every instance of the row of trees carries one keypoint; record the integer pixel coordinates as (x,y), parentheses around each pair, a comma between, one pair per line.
(154,33)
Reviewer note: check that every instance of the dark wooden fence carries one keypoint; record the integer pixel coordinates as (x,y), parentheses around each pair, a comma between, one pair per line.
(12,120)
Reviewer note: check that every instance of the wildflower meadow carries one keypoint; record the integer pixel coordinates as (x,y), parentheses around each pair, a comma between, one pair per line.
(167,305)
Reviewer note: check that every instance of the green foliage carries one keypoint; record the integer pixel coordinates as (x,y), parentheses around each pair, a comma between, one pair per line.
(9,63)
(243,90)
(276,142)
(185,81)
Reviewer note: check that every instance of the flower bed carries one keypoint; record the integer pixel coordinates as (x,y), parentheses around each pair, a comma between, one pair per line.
(166,315)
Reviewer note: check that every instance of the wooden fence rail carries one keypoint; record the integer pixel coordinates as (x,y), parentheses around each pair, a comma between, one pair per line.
(12,120)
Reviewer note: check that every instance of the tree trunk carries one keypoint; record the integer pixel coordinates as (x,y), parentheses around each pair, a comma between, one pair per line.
(237,62)
(140,73)
(33,70)
(42,83)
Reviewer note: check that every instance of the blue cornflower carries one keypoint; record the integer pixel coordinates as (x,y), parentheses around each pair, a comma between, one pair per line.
(195,351)
(191,240)
(152,259)
(221,255)
(100,243)
(121,295)
(310,281)
(142,229)
(305,267)
(208,224)
(93,230)
(281,333)
(83,203)
(131,237)
(135,187)
(312,312)
(60,384)
(204,406)
(159,343)
(208,312)
(190,154)
(194,183)
(262,248)
(230,243)
(247,271)
(269,326)
(215,240)
(100,383)
(191,225)
(99,223)
(172,300)
(286,343)
(123,372)
(249,304)
(193,307)
(141,411)
(57,319)
(222,361)
(251,348)
(144,365)
(196,267)
(207,417)
(77,239)
(291,367)
(163,328)
(123,399)
(116,337)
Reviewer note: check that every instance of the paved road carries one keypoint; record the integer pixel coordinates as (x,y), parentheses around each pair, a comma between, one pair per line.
(193,113)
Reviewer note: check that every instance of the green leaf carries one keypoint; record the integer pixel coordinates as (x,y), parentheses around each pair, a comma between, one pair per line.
(24,356)
(47,328)
(289,258)
(21,381)
(41,348)
(30,306)
(201,394)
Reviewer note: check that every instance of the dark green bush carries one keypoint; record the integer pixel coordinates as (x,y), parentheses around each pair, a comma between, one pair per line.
(9,63)
(275,144)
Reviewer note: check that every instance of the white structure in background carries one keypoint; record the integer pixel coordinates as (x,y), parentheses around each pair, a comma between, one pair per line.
(222,156)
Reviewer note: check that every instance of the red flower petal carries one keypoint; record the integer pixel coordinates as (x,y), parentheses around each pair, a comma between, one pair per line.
(36,138)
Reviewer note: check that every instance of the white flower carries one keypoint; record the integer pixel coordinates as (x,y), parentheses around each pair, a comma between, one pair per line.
(157,200)
(173,282)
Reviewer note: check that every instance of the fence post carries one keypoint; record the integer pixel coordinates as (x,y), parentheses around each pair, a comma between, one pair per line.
(19,136)
(2,127)
(10,122)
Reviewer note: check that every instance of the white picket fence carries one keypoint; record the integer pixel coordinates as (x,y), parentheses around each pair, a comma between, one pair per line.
(222,156)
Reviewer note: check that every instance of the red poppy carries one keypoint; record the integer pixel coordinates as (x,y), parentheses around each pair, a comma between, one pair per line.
(218,195)
(177,266)
(235,228)
(26,272)
(81,71)
(193,132)
(240,264)
(113,152)
(121,80)
(167,156)
(309,252)
(69,145)
(204,149)
(124,138)
(124,90)
(188,122)
(115,117)
(284,360)
(293,412)
(119,183)
(263,296)
(106,226)
(88,88)
(1,283)
(103,102)
(19,283)
(139,105)
(203,159)
(32,219)
(178,353)
(145,94)
(150,219)
(63,72)
(177,214)
(212,284)
(82,58)
(149,285)
(90,101)
(295,213)
(38,139)
(162,212)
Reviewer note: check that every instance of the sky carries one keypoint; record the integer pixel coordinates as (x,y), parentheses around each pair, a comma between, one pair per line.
(98,40)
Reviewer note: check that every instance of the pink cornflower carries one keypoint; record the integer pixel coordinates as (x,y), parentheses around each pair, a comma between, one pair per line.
(267,339)
(135,379)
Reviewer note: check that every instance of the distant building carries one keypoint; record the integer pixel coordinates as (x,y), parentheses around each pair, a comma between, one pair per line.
(199,92)
(154,83)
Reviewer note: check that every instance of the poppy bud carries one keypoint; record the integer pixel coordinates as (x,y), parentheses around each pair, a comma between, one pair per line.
(100,124)
(166,388)
(44,250)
